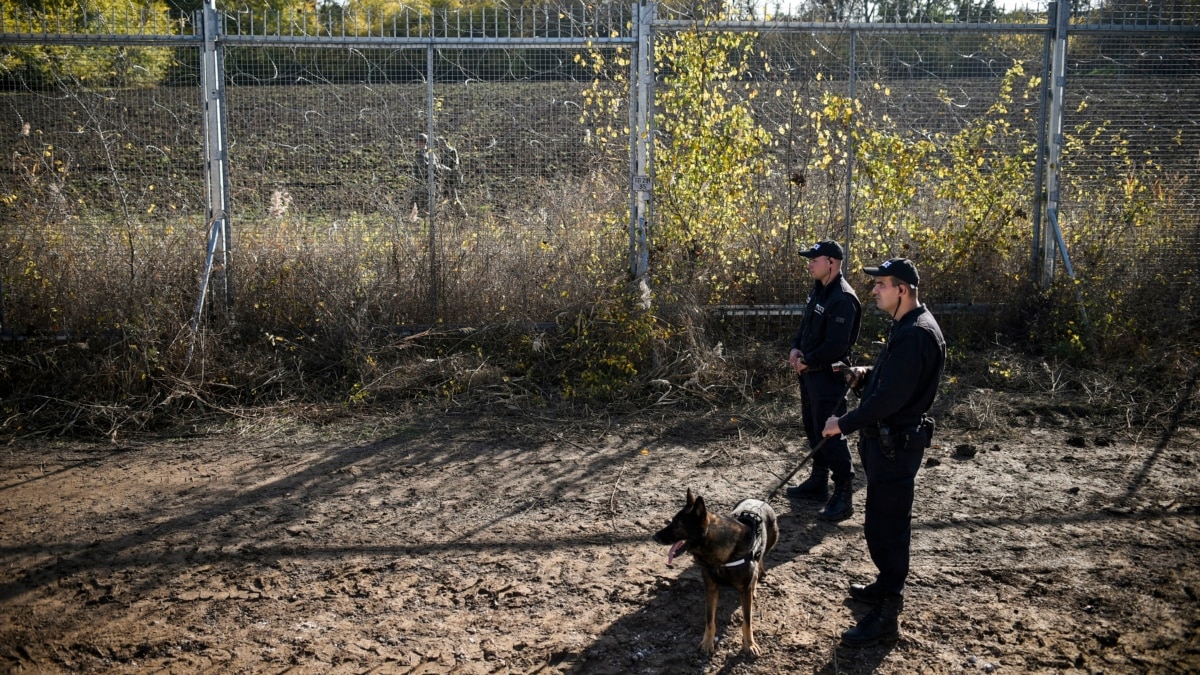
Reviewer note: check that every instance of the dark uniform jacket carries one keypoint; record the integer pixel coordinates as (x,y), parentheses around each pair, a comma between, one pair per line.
(904,381)
(832,317)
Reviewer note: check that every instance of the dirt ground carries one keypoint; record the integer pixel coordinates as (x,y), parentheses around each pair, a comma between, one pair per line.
(511,541)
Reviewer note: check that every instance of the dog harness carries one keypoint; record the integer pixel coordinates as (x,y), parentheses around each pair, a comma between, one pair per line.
(750,513)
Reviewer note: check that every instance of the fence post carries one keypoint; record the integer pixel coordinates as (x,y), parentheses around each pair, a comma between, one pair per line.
(642,142)
(216,164)
(1052,239)
(1061,13)
(216,167)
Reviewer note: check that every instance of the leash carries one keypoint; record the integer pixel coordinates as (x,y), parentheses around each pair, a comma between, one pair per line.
(806,460)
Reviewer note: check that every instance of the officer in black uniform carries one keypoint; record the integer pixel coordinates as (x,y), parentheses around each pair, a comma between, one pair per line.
(894,431)
(832,317)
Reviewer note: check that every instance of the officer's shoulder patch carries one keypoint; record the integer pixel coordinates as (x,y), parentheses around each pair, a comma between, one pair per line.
(840,319)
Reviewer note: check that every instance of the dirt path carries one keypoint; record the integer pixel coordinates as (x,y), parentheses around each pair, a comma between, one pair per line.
(456,542)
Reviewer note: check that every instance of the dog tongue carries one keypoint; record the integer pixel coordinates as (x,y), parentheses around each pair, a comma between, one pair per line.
(674,549)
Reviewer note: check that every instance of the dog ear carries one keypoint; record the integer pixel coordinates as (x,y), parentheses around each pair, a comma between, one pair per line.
(690,499)
(699,509)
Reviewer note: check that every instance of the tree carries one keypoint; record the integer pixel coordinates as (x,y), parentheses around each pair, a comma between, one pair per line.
(40,66)
(896,11)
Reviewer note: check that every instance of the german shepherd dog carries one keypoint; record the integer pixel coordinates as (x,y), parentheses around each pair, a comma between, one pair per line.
(729,550)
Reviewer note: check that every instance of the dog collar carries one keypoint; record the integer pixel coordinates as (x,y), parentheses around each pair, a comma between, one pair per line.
(735,563)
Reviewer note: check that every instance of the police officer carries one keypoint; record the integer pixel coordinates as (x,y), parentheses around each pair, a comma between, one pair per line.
(832,316)
(894,431)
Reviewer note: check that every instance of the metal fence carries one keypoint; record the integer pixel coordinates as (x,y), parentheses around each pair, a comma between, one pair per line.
(460,166)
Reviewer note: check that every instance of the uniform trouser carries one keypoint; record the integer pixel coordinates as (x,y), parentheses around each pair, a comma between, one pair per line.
(823,394)
(887,515)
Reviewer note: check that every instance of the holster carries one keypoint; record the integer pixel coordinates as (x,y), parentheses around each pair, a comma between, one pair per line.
(929,425)
(889,440)
(892,440)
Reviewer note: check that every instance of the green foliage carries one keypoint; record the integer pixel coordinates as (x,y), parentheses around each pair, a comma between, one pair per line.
(43,65)
(711,153)
(958,203)
(708,153)
(384,8)
(891,170)
(1125,224)
(982,183)
(608,345)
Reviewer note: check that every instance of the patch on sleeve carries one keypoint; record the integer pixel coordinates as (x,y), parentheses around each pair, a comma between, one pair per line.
(840,319)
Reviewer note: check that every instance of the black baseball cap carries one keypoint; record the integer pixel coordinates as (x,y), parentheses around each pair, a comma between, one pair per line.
(826,247)
(901,268)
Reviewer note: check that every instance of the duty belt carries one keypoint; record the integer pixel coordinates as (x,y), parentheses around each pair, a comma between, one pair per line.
(897,437)
(877,430)
(817,369)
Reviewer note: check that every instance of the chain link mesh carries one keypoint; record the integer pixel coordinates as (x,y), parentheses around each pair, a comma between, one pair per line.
(102,186)
(516,207)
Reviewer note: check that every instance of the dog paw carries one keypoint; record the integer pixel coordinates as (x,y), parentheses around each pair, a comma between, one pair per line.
(708,646)
(752,649)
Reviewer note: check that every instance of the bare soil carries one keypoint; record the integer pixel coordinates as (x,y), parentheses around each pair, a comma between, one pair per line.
(511,541)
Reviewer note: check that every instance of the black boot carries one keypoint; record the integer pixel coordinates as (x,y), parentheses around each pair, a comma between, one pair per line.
(816,487)
(841,505)
(880,624)
(866,593)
